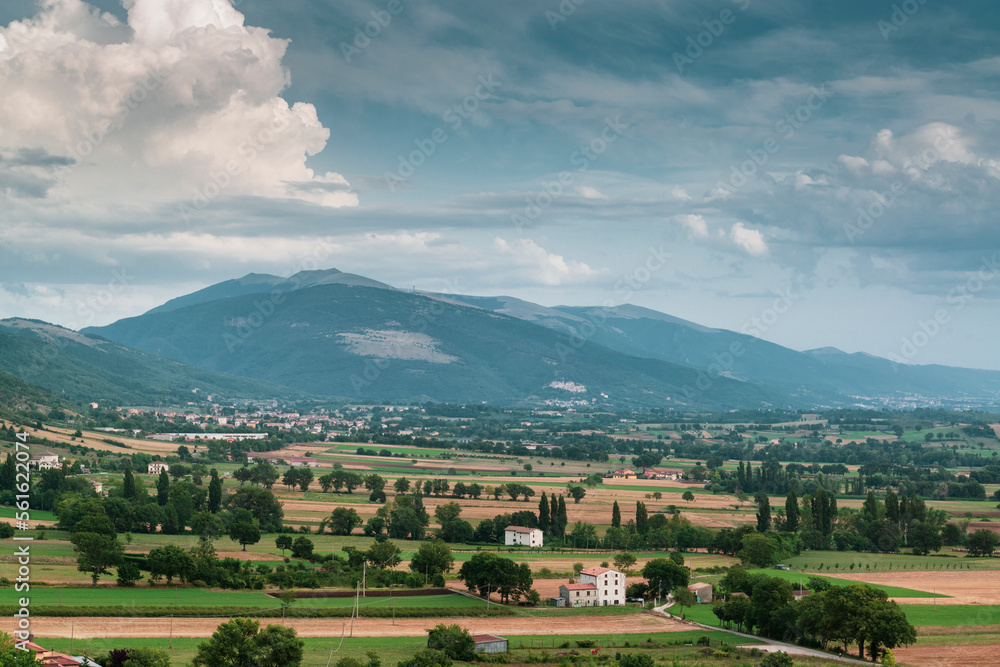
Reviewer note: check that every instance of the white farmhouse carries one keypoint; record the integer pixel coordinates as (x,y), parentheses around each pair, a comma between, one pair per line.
(529,537)
(45,461)
(156,467)
(610,584)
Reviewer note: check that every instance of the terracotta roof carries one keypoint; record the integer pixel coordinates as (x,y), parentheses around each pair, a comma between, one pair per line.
(596,570)
(580,587)
(482,639)
(519,529)
(698,586)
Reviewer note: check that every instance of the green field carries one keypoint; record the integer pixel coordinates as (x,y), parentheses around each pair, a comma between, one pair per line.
(36,515)
(840,562)
(892,591)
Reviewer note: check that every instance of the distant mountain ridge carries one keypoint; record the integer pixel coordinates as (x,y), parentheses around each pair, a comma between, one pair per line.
(342,335)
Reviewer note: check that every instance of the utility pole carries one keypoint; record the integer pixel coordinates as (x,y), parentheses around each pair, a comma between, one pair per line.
(71,636)
(364,578)
(171,631)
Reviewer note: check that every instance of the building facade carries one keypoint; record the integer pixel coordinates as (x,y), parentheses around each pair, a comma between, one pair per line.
(529,537)
(610,584)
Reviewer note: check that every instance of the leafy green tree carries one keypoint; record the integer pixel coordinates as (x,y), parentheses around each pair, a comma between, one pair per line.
(128,574)
(283,542)
(11,656)
(426,657)
(924,537)
(577,492)
(170,561)
(129,488)
(777,659)
(146,656)
(207,525)
(624,561)
(344,520)
(385,555)
(262,504)
(432,558)
(241,643)
(401,485)
(684,598)
(757,550)
(636,660)
(663,574)
(687,495)
(982,542)
(452,640)
(96,553)
(245,532)
(488,573)
(302,547)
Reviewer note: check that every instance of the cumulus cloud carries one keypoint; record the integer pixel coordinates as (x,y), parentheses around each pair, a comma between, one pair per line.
(182,101)
(750,240)
(543,266)
(695,225)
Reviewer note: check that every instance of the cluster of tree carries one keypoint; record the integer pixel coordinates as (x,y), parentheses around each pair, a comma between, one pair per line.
(404,517)
(242,642)
(856,614)
(488,573)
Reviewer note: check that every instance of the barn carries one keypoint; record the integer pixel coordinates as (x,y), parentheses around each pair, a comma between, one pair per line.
(490,644)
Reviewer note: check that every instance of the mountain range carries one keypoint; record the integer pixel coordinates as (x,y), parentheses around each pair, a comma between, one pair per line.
(334,335)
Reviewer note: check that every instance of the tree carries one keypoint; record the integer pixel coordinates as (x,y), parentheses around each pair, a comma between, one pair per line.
(687,495)
(616,515)
(214,493)
(432,558)
(641,519)
(344,520)
(488,573)
(162,488)
(262,505)
(384,555)
(96,553)
(447,512)
(170,561)
(577,492)
(426,657)
(452,640)
(11,656)
(543,513)
(791,512)
(283,542)
(207,525)
(305,478)
(982,542)
(401,485)
(128,574)
(245,532)
(763,513)
(757,550)
(924,537)
(624,561)
(147,656)
(241,643)
(663,574)
(302,547)
(684,598)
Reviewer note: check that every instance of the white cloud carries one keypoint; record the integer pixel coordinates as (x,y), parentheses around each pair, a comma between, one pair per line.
(750,240)
(588,192)
(545,267)
(183,100)
(695,225)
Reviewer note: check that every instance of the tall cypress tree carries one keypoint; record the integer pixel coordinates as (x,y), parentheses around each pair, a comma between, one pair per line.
(763,513)
(562,516)
(128,486)
(543,513)
(641,518)
(214,492)
(8,473)
(162,488)
(554,515)
(892,507)
(616,516)
(791,512)
(741,477)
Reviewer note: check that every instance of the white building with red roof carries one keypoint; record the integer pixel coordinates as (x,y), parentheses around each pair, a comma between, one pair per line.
(610,584)
(529,537)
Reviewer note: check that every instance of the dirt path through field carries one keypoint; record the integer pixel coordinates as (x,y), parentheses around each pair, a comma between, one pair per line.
(90,628)
(969,587)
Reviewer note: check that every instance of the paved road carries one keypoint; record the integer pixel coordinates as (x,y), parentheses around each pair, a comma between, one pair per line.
(772,645)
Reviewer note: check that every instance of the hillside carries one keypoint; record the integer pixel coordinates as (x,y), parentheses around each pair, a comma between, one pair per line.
(365,343)
(86,368)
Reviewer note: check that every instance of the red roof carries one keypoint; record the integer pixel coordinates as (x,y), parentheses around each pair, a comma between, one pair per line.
(519,529)
(595,571)
(482,639)
(580,587)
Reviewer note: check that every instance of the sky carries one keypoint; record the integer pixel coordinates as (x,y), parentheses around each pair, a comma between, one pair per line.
(815,174)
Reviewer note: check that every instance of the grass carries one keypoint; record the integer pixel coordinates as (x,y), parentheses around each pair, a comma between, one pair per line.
(36,515)
(840,562)
(891,591)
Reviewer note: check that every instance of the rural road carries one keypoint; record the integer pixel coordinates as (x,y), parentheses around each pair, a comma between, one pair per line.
(771,644)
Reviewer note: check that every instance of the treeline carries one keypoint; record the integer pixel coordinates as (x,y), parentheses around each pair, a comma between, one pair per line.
(857,614)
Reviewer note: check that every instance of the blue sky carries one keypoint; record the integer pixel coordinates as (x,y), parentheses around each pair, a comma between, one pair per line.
(839,158)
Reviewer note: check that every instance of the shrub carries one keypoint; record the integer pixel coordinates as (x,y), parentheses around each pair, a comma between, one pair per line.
(777,659)
(636,660)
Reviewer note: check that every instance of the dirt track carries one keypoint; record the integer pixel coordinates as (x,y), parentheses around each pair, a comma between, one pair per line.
(970,587)
(90,628)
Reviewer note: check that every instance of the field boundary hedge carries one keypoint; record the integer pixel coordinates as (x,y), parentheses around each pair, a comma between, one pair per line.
(290,612)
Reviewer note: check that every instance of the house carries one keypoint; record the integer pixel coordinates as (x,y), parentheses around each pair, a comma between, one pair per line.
(672,474)
(625,473)
(610,584)
(490,644)
(529,537)
(156,467)
(702,591)
(49,658)
(579,595)
(45,460)
(801,593)
(98,487)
